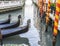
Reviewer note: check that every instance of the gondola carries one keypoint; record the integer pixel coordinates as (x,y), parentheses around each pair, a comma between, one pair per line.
(6,21)
(15,31)
(11,25)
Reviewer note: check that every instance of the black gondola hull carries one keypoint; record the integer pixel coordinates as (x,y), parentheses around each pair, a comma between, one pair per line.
(11,25)
(20,31)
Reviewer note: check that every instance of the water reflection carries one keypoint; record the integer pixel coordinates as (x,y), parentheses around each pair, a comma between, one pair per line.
(16,40)
(33,33)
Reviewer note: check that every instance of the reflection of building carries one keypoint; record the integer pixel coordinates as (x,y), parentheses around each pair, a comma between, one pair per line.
(36,16)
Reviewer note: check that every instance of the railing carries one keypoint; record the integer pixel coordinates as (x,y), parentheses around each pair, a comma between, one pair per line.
(7,4)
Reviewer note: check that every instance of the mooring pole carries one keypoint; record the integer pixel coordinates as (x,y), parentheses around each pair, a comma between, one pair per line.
(47,14)
(55,31)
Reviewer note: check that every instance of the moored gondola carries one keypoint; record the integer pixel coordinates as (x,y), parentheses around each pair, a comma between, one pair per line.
(15,31)
(11,25)
(6,21)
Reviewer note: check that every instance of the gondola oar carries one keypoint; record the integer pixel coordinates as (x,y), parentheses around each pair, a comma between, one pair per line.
(6,21)
(11,25)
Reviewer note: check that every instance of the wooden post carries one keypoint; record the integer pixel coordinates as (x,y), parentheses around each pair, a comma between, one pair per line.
(40,5)
(54,41)
(47,14)
(48,11)
(55,31)
(44,6)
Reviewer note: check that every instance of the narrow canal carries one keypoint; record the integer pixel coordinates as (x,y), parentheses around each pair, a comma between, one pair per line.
(30,38)
(32,34)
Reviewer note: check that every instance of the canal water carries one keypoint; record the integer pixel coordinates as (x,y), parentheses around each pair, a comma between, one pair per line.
(30,38)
